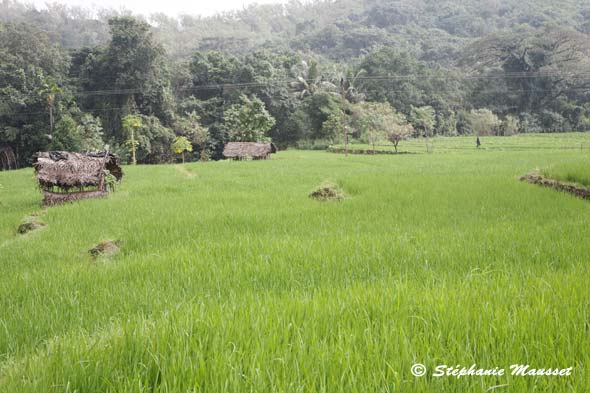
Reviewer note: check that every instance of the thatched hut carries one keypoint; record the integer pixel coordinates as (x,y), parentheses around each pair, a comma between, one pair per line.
(245,150)
(65,176)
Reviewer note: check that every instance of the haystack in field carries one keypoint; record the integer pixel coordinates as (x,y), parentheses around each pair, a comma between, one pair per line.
(65,176)
(244,150)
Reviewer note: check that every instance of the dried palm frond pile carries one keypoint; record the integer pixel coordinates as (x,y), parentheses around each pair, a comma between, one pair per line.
(245,150)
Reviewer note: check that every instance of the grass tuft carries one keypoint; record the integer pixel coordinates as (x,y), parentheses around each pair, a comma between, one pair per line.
(326,192)
(105,248)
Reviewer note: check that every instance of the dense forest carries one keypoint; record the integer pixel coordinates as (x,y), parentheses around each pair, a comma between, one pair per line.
(303,75)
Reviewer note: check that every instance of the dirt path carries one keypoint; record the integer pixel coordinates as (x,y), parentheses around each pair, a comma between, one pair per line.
(182,169)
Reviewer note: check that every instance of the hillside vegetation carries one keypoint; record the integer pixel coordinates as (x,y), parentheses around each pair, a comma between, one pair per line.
(318,74)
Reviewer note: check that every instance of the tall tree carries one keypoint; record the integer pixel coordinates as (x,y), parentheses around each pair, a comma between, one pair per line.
(248,121)
(48,93)
(132,70)
(32,69)
(180,145)
(423,120)
(392,76)
(540,65)
(131,124)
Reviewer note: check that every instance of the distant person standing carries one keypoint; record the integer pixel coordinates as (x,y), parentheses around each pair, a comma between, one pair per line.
(478,142)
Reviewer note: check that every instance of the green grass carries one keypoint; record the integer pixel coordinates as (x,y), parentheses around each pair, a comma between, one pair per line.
(572,171)
(230,278)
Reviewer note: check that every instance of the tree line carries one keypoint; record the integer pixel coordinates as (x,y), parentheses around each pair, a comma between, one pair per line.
(370,71)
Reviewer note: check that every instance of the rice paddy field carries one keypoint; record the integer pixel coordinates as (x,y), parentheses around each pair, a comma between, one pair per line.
(520,142)
(570,172)
(230,278)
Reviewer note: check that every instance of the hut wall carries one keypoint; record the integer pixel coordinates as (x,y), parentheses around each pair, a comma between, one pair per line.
(53,198)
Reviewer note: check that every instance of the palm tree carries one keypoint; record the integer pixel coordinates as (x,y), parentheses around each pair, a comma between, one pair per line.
(347,81)
(308,80)
(48,93)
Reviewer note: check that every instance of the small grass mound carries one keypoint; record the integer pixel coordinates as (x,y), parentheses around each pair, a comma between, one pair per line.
(105,248)
(327,191)
(29,226)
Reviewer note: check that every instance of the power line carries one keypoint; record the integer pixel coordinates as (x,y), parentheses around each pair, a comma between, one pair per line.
(585,76)
(508,91)
(282,82)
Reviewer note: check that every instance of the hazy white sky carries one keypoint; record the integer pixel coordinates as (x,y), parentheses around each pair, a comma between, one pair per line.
(170,7)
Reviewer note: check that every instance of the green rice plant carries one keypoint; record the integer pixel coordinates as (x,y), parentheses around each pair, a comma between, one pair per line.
(572,171)
(521,142)
(235,280)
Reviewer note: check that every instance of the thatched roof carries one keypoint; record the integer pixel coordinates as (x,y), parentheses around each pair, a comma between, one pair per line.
(67,170)
(248,149)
